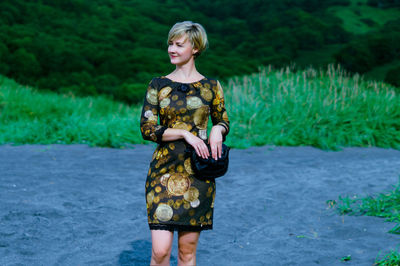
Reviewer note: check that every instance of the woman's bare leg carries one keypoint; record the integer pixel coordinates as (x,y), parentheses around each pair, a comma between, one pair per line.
(187,245)
(161,247)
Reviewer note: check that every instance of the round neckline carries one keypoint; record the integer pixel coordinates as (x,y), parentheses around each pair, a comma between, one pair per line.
(183,82)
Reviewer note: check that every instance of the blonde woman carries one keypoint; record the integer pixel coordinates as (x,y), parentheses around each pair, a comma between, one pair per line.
(183,100)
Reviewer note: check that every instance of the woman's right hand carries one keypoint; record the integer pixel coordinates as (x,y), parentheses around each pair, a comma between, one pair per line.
(197,143)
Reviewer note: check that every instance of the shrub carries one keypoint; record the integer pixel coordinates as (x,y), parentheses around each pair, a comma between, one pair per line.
(393,76)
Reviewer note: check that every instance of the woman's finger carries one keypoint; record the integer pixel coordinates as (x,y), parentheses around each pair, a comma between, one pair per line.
(205,149)
(198,151)
(214,151)
(202,152)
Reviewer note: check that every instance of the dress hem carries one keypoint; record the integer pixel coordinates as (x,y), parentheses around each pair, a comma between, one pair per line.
(179,227)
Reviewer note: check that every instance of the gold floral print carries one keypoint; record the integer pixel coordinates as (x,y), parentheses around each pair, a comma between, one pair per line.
(193,102)
(164,212)
(188,166)
(206,94)
(174,196)
(165,102)
(200,117)
(152,96)
(192,194)
(164,93)
(178,184)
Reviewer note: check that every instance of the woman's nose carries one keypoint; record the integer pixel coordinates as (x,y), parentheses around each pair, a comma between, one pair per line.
(171,48)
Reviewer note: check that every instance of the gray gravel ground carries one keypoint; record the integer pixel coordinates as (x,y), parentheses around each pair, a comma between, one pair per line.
(78,205)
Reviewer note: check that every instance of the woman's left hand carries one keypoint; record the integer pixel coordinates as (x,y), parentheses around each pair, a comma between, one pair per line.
(215,141)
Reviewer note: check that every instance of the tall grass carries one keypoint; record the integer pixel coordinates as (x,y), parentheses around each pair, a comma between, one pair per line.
(27,116)
(327,108)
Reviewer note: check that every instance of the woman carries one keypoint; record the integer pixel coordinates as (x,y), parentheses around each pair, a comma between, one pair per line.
(184,100)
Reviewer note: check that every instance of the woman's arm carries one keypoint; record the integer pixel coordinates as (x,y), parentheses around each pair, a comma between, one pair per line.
(219,127)
(196,142)
(219,118)
(174,134)
(149,126)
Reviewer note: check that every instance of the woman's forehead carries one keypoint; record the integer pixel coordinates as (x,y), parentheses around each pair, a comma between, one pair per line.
(182,38)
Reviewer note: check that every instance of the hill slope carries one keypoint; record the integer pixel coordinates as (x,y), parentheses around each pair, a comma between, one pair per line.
(109,46)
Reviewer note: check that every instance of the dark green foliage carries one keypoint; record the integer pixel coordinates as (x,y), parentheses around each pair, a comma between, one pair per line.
(384,3)
(369,22)
(110,47)
(372,49)
(393,76)
(373,2)
(356,57)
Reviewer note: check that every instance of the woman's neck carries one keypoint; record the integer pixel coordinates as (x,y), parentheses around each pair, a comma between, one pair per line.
(185,73)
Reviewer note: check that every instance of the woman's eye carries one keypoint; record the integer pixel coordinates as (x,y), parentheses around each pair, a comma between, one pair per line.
(179,45)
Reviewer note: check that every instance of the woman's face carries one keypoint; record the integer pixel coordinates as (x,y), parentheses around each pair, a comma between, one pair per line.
(180,50)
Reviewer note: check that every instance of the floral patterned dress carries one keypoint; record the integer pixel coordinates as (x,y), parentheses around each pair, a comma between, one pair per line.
(175,199)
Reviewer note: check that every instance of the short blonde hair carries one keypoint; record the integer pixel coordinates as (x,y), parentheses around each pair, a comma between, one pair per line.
(195,33)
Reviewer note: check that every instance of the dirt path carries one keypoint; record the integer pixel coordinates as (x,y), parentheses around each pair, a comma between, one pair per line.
(76,205)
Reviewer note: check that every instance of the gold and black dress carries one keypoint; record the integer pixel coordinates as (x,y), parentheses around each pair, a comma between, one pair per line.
(175,199)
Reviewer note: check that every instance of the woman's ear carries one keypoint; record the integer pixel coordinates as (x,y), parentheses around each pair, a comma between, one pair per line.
(194,51)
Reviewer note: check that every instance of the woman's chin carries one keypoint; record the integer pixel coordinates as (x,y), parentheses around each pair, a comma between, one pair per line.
(178,62)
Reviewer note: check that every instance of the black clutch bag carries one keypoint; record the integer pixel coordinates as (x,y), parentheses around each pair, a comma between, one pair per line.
(209,168)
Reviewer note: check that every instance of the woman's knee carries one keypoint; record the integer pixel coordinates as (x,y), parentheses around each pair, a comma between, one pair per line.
(160,253)
(187,246)
(187,251)
(161,245)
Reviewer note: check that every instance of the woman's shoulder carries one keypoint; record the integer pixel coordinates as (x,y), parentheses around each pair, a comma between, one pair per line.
(212,80)
(212,83)
(162,81)
(156,79)
(159,82)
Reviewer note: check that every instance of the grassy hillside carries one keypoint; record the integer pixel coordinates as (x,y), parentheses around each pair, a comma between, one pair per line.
(29,116)
(108,47)
(324,108)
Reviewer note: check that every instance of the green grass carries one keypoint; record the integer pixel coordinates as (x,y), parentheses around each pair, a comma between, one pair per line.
(385,205)
(390,259)
(290,107)
(326,108)
(28,116)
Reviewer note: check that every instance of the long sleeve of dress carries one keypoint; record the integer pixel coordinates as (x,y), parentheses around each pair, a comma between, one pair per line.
(149,126)
(219,115)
